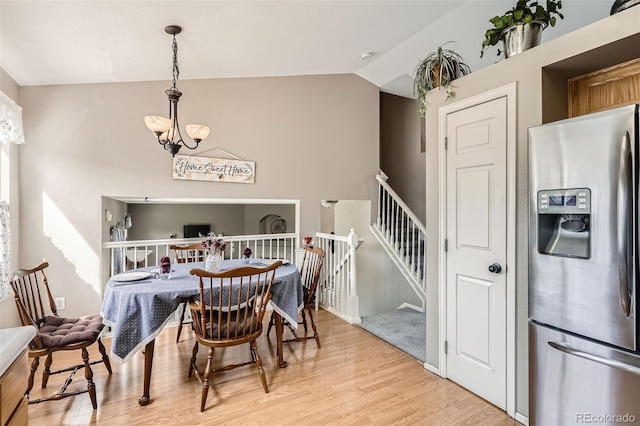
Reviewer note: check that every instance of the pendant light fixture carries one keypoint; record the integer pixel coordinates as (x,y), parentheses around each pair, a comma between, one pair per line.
(167,130)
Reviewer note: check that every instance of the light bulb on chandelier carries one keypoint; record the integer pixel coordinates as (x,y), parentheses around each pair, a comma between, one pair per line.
(167,130)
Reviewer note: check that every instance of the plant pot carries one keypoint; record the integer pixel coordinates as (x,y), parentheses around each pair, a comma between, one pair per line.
(518,38)
(435,75)
(620,5)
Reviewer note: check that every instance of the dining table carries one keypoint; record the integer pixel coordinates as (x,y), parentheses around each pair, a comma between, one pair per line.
(137,304)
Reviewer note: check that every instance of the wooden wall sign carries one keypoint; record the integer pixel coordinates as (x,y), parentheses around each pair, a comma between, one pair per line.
(186,167)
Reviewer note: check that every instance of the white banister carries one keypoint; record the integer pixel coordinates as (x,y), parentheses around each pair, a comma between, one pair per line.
(337,291)
(403,235)
(133,254)
(352,300)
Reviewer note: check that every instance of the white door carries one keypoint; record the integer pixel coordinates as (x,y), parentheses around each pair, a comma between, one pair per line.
(476,239)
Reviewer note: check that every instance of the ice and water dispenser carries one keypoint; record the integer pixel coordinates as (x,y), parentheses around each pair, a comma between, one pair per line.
(564,217)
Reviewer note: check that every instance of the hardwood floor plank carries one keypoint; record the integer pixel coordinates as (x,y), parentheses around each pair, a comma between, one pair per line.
(354,379)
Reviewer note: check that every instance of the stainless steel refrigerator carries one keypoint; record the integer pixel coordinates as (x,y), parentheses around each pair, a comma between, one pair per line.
(584,358)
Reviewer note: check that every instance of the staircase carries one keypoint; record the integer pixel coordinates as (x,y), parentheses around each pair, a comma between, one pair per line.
(403,237)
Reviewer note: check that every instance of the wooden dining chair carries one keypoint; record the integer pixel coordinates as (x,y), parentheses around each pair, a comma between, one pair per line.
(229,312)
(189,253)
(186,254)
(310,276)
(37,308)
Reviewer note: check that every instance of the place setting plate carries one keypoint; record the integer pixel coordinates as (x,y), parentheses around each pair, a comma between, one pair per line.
(269,262)
(130,276)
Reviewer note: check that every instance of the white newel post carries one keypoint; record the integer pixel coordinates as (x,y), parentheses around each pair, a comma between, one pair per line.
(353,304)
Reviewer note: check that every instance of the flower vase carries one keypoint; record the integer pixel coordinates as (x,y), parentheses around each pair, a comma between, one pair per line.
(213,262)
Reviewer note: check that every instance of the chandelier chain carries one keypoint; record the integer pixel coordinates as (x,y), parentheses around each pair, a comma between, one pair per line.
(176,70)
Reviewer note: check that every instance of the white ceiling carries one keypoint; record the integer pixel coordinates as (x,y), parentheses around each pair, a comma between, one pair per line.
(87,41)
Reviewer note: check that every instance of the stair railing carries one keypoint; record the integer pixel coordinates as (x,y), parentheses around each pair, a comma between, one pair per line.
(337,289)
(404,233)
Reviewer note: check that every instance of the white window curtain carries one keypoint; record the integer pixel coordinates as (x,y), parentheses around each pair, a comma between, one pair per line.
(5,249)
(11,130)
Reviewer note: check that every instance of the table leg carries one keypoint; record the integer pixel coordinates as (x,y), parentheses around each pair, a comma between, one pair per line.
(148,363)
(278,320)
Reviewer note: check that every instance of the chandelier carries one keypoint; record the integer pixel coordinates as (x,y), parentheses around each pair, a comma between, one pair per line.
(167,130)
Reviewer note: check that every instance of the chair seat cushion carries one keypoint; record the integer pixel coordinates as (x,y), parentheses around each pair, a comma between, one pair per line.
(57,331)
(218,331)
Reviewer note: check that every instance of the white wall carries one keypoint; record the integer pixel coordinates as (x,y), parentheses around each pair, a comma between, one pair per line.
(312,138)
(527,70)
(381,286)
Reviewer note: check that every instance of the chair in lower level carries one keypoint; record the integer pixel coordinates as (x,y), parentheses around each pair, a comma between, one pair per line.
(37,308)
(186,254)
(310,276)
(229,312)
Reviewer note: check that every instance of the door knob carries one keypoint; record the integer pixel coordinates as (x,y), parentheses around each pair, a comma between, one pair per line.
(495,268)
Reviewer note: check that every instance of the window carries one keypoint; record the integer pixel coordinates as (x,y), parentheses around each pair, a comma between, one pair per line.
(11,132)
(5,249)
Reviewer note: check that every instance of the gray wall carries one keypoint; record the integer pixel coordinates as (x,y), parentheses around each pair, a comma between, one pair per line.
(159,221)
(400,156)
(312,138)
(527,70)
(253,213)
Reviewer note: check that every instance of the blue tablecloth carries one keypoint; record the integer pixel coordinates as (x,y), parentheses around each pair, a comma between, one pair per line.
(138,310)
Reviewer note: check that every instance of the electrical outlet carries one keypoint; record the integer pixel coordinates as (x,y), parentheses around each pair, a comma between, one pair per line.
(60,303)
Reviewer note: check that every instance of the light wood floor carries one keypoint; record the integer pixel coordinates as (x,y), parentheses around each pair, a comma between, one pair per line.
(354,379)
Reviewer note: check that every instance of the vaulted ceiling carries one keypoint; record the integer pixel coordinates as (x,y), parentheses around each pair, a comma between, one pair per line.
(89,41)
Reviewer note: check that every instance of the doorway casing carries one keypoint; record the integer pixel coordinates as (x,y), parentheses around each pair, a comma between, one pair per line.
(509,91)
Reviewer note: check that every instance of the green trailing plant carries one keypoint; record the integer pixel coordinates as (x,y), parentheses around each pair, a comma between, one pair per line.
(438,69)
(524,12)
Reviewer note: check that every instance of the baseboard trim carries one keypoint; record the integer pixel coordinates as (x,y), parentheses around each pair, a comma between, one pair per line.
(522,419)
(350,320)
(410,306)
(433,369)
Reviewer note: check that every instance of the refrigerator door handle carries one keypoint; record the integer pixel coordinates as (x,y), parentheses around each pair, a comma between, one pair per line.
(625,214)
(563,347)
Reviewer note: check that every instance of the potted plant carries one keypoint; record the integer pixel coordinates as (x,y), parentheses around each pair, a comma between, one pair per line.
(438,69)
(520,28)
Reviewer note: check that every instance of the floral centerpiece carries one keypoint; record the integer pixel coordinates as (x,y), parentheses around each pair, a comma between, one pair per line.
(214,247)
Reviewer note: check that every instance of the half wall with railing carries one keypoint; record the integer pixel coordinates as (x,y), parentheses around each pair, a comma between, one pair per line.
(125,255)
(337,291)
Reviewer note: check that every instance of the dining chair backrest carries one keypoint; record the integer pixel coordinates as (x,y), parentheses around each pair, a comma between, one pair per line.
(232,303)
(310,272)
(188,253)
(30,287)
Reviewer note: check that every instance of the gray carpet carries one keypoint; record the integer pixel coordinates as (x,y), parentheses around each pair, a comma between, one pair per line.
(403,328)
